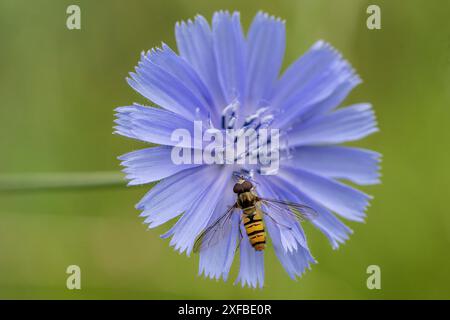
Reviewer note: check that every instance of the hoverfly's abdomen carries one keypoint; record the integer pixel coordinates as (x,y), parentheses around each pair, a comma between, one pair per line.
(254,227)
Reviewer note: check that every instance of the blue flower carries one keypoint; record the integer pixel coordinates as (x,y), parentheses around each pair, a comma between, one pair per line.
(223,78)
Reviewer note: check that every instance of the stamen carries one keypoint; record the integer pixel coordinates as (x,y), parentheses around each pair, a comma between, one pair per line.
(247,174)
(229,115)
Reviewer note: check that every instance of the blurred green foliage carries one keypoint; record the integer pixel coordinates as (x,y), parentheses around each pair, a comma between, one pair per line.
(58,89)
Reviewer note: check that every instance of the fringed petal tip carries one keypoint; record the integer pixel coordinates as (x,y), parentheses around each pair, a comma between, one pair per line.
(264,15)
(324,45)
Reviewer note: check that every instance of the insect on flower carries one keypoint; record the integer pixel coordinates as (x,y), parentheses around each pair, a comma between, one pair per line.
(252,217)
(223,80)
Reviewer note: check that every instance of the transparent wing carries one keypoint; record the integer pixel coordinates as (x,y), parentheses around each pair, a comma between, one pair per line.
(216,231)
(279,210)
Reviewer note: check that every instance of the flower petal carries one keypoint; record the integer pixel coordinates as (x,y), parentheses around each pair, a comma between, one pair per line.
(151,164)
(195,219)
(151,124)
(251,271)
(347,124)
(325,221)
(294,262)
(195,44)
(170,62)
(215,262)
(266,44)
(229,49)
(320,80)
(357,165)
(170,197)
(168,88)
(292,235)
(338,197)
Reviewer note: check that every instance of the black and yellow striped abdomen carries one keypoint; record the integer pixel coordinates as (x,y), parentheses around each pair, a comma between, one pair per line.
(254,227)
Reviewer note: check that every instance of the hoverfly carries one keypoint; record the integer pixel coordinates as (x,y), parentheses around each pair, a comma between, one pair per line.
(250,205)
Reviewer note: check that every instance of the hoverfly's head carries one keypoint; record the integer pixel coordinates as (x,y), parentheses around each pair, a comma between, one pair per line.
(242,186)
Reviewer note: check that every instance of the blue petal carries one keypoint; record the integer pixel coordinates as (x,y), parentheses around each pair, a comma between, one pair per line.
(229,49)
(266,44)
(170,197)
(319,81)
(215,262)
(251,271)
(332,101)
(292,235)
(338,197)
(196,217)
(176,88)
(347,124)
(151,124)
(294,262)
(183,71)
(325,221)
(357,165)
(195,44)
(151,164)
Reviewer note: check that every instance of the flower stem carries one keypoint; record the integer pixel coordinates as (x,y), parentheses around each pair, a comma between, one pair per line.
(58,181)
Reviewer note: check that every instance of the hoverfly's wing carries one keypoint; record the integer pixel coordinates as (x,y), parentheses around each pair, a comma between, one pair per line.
(216,231)
(279,210)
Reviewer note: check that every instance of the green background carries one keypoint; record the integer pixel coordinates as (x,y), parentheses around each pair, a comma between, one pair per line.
(58,89)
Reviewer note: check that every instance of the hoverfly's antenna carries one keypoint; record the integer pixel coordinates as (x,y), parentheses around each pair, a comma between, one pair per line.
(238,176)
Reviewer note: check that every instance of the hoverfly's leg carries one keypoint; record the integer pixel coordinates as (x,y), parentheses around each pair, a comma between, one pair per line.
(240,234)
(239,241)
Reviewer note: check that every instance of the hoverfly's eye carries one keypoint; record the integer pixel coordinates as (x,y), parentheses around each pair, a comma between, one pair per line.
(247,186)
(238,188)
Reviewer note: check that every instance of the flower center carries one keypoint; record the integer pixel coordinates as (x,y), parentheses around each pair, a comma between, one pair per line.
(254,139)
